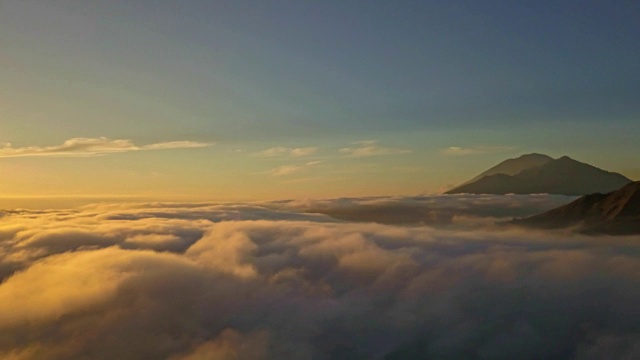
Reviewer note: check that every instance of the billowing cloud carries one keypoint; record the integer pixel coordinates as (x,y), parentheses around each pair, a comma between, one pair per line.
(461,151)
(80,147)
(286,151)
(269,281)
(371,148)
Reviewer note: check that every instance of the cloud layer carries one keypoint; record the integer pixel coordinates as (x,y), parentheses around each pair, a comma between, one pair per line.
(270,281)
(79,147)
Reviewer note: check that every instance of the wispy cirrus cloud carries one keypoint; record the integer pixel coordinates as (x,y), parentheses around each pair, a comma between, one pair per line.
(286,151)
(371,148)
(291,169)
(83,147)
(462,151)
(285,170)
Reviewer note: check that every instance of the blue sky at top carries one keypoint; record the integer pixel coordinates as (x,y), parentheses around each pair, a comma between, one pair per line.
(545,76)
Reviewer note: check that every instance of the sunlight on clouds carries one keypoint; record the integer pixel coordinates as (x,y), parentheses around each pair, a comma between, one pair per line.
(58,286)
(226,251)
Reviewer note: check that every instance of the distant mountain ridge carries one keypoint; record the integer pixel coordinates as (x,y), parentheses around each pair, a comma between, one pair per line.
(537,173)
(617,212)
(515,166)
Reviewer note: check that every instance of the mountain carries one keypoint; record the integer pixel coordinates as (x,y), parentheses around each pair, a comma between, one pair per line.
(514,166)
(617,212)
(536,173)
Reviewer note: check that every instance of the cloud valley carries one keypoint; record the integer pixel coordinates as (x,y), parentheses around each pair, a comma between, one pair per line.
(326,279)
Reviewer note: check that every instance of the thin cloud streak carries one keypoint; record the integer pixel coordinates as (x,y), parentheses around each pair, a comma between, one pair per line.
(291,169)
(371,148)
(285,170)
(463,151)
(285,151)
(85,147)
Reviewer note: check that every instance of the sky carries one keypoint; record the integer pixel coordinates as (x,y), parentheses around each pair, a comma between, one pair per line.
(255,179)
(256,100)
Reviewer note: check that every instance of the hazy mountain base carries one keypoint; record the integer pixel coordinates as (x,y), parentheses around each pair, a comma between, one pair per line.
(436,210)
(241,281)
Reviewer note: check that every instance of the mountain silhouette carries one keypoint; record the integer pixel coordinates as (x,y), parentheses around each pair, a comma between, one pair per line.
(514,166)
(617,212)
(537,173)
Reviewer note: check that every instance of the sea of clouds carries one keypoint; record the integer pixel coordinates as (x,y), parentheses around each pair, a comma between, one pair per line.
(436,277)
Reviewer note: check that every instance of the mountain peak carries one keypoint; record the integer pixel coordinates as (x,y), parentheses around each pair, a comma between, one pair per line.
(535,156)
(538,173)
(514,166)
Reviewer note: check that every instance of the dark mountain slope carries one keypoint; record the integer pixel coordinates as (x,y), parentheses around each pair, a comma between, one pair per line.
(617,212)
